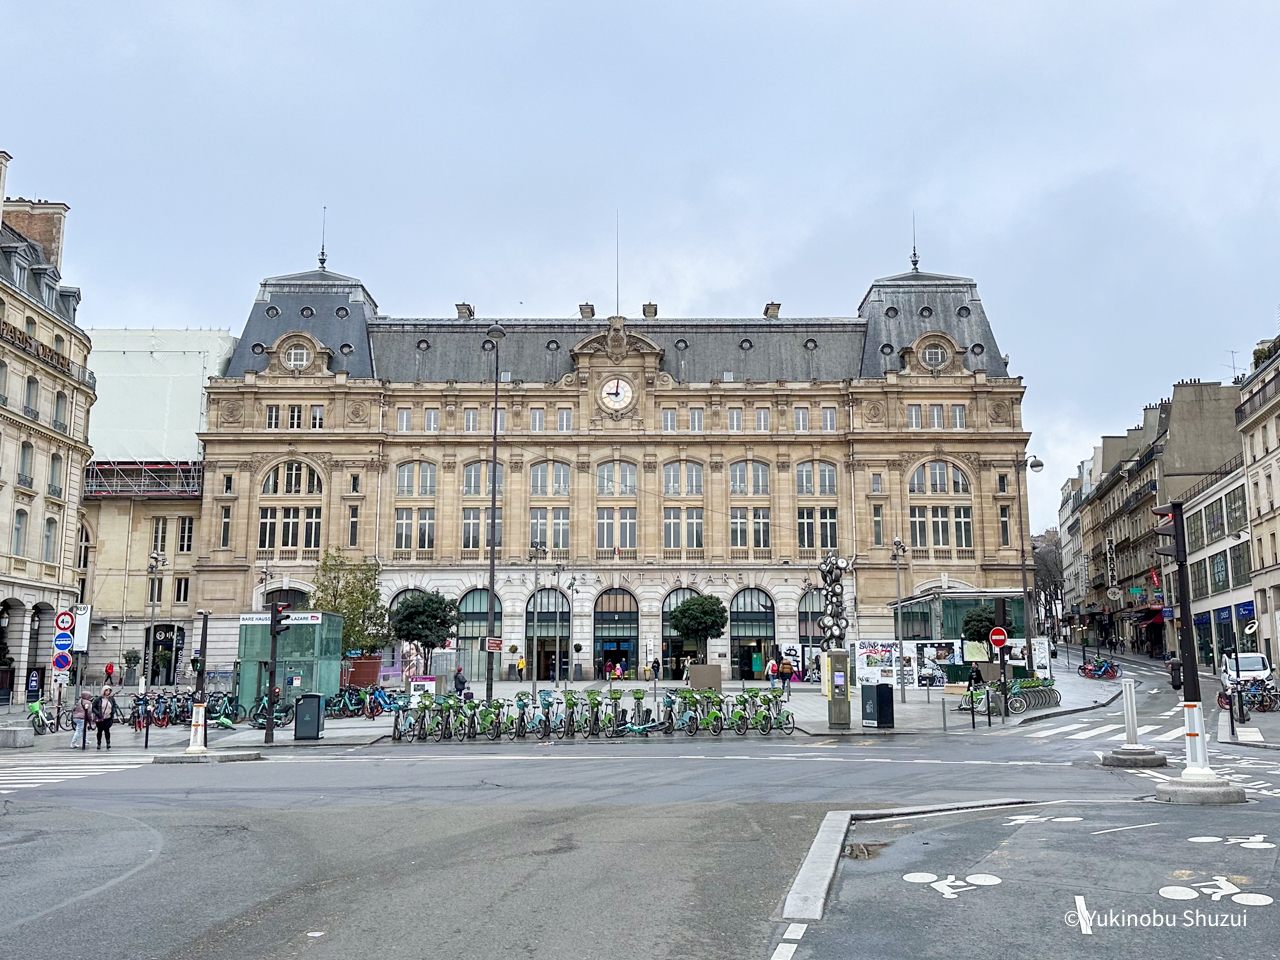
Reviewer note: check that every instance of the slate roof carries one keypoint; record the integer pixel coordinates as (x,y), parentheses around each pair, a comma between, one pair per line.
(844,348)
(68,298)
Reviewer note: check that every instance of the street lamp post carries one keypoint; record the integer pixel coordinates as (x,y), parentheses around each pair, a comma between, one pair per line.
(899,551)
(199,732)
(569,639)
(154,563)
(537,551)
(490,345)
(1020,467)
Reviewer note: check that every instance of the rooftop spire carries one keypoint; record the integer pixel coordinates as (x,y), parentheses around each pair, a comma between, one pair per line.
(915,257)
(324,216)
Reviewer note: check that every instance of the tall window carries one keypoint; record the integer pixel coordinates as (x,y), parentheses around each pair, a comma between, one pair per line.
(50,546)
(802,419)
(55,474)
(936,416)
(805,531)
(159,534)
(919,527)
(877,483)
(564,419)
(273,417)
(267,527)
(737,526)
(804,478)
(693,479)
(181,589)
(538,525)
(311,529)
(826,479)
(762,419)
(671,479)
(155,590)
(735,419)
(827,528)
(914,417)
(669,420)
(353,525)
(295,416)
(186,533)
(627,528)
(693,528)
(317,416)
(1004,526)
(760,527)
(560,528)
(759,479)
(671,528)
(604,528)
(957,416)
(60,410)
(431,419)
(224,532)
(290,518)
(941,528)
(537,420)
(33,395)
(426,528)
(20,533)
(471,528)
(877,525)
(471,420)
(4,381)
(829,419)
(695,419)
(964,527)
(404,528)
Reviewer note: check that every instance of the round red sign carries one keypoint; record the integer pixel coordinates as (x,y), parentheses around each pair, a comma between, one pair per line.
(999,636)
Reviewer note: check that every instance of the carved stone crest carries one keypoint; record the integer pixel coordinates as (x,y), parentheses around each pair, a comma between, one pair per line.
(999,412)
(874,411)
(232,411)
(615,341)
(358,412)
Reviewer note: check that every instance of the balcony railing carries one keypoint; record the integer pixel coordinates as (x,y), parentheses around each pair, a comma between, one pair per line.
(61,427)
(471,553)
(739,553)
(616,553)
(403,556)
(558,554)
(919,553)
(966,553)
(287,555)
(26,481)
(1258,400)
(31,412)
(807,553)
(55,491)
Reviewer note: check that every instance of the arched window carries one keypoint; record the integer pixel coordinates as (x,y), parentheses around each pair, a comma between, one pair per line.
(297,357)
(671,477)
(26,461)
(50,546)
(32,397)
(60,410)
(471,479)
(4,380)
(749,477)
(297,599)
(547,619)
(751,633)
(473,627)
(826,479)
(693,479)
(616,478)
(675,652)
(937,522)
(550,478)
(60,344)
(292,477)
(617,628)
(416,479)
(20,533)
(404,595)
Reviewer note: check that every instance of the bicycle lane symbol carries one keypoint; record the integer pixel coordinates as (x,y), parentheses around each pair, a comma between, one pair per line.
(951,888)
(1216,889)
(1256,842)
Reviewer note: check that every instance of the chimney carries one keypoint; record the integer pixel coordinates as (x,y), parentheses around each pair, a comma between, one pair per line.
(650,310)
(41,221)
(586,311)
(466,311)
(771,310)
(4,169)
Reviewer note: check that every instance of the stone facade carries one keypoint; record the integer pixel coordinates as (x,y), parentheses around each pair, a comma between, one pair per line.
(46,391)
(652,456)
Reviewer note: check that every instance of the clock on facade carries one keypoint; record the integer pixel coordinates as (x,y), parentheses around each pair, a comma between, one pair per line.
(616,394)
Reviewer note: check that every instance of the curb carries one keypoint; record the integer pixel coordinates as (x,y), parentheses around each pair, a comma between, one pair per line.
(228,757)
(1066,713)
(807,898)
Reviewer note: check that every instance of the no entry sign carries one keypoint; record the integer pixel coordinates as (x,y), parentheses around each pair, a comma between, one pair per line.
(999,637)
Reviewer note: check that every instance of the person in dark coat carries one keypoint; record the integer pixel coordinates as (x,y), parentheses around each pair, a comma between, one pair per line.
(459,681)
(104,712)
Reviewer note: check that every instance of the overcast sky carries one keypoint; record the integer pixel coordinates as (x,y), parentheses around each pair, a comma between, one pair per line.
(1107,171)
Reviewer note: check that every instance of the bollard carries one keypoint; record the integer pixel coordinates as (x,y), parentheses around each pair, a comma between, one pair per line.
(1131,754)
(944,714)
(1129,693)
(973,712)
(988,699)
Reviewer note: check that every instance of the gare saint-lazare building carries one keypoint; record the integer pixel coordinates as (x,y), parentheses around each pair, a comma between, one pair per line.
(654,457)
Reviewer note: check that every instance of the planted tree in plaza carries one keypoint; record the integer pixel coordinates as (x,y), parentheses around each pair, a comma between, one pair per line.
(349,588)
(976,627)
(426,621)
(699,619)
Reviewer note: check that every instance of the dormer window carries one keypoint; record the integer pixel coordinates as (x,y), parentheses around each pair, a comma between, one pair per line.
(50,293)
(297,357)
(934,355)
(20,273)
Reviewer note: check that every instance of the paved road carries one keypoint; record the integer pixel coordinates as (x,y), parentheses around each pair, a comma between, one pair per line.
(666,848)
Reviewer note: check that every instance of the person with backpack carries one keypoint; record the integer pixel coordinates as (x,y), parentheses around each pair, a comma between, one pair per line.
(459,681)
(771,671)
(785,671)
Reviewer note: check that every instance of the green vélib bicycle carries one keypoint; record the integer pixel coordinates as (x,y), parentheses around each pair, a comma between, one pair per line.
(780,717)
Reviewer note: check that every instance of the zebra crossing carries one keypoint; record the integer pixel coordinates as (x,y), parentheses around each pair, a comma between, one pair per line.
(1164,728)
(47,769)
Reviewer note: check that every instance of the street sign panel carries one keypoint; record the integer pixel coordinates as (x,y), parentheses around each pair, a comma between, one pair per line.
(1114,593)
(62,679)
(62,661)
(999,637)
(65,620)
(493,644)
(63,641)
(82,612)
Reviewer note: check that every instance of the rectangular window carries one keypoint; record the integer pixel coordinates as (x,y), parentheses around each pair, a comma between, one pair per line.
(355,483)
(957,416)
(827,528)
(627,528)
(671,479)
(919,527)
(1237,510)
(935,416)
(560,479)
(877,483)
(159,534)
(501,414)
(353,526)
(1004,526)
(671,528)
(295,416)
(1195,531)
(471,528)
(426,528)
(668,420)
(805,534)
(941,529)
(762,419)
(560,528)
(604,528)
(1215,522)
(937,476)
(273,417)
(181,589)
(1002,483)
(877,525)
(227,483)
(431,420)
(186,533)
(826,479)
(1199,580)
(1219,574)
(605,479)
(735,419)
(914,420)
(155,590)
(289,519)
(829,419)
(693,479)
(695,419)
(1240,564)
(737,526)
(224,536)
(311,529)
(404,528)
(802,419)
(471,420)
(404,419)
(964,528)
(537,420)
(496,529)
(759,479)
(626,479)
(760,527)
(693,528)
(564,420)
(538,526)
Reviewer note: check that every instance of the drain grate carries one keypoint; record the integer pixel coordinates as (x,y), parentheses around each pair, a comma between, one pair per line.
(863,851)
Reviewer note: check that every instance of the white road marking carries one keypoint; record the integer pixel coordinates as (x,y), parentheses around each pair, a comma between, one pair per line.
(784,951)
(1142,731)
(18,773)
(795,931)
(1082,912)
(1249,734)
(1136,826)
(1171,735)
(1050,732)
(1086,734)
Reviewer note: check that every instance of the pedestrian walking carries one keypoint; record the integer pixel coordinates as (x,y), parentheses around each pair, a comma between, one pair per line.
(104,711)
(771,671)
(520,668)
(608,669)
(785,670)
(657,668)
(79,715)
(623,666)
(617,671)
(599,669)
(110,669)
(459,681)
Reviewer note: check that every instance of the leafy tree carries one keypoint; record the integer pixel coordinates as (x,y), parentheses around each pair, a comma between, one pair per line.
(349,588)
(977,625)
(700,619)
(427,621)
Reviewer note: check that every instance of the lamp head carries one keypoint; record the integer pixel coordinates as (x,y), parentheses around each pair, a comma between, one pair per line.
(495,332)
(1036,464)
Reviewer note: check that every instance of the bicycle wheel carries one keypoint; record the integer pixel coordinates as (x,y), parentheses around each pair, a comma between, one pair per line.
(717,725)
(66,721)
(740,728)
(542,729)
(38,724)
(766,723)
(1080,671)
(494,730)
(788,725)
(240,715)
(1017,704)
(1224,700)
(691,725)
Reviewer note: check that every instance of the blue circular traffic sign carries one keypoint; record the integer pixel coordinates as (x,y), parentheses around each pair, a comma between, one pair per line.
(62,661)
(63,641)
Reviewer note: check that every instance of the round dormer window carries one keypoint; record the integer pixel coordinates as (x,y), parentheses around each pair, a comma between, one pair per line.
(926,312)
(934,355)
(273,312)
(342,313)
(297,357)
(307,312)
(963,312)
(891,312)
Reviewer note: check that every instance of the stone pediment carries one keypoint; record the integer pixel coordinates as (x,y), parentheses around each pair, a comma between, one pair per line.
(617,343)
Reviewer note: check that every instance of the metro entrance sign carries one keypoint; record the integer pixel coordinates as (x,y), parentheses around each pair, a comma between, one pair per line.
(999,637)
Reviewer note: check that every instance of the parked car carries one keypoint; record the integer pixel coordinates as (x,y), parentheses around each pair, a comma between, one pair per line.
(1253,666)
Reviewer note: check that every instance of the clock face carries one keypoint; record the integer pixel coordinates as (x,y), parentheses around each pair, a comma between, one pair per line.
(616,394)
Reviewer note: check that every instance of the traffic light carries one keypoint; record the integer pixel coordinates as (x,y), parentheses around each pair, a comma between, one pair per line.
(279,614)
(1002,614)
(1172,528)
